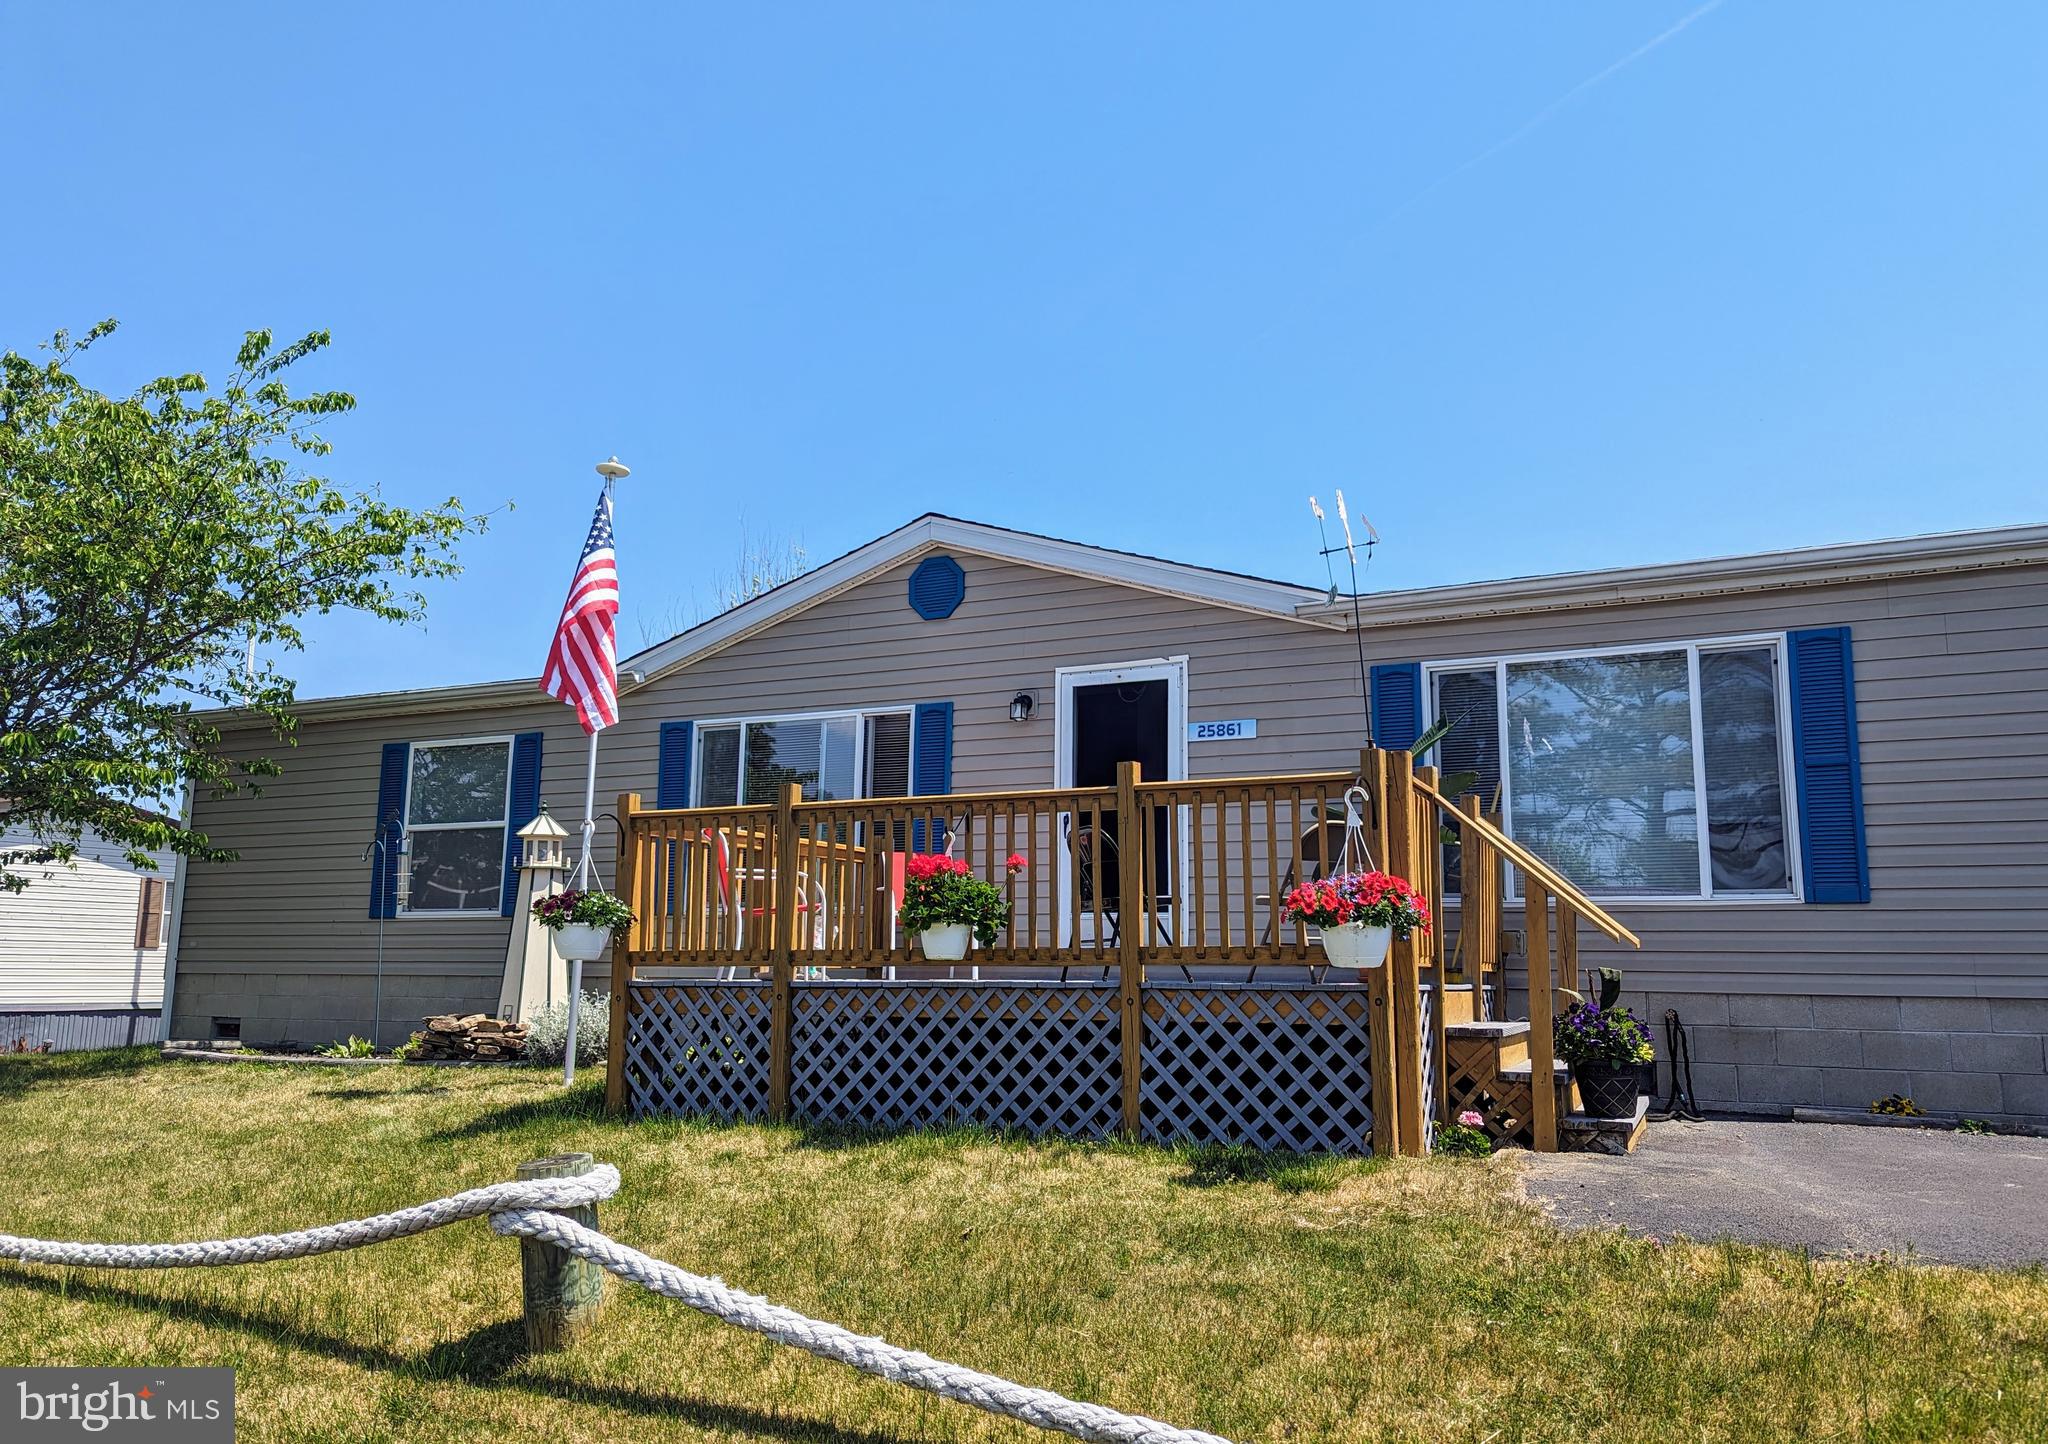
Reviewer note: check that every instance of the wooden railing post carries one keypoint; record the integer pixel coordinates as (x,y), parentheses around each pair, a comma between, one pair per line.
(627,871)
(1430,854)
(1404,860)
(1386,1082)
(1478,904)
(1130,960)
(1542,1043)
(783,921)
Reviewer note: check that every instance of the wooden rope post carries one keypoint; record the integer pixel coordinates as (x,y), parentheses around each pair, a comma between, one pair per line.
(784,921)
(628,873)
(1542,1042)
(561,1291)
(1130,960)
(1404,861)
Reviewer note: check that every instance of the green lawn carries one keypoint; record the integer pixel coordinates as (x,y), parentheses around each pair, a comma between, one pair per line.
(1408,1300)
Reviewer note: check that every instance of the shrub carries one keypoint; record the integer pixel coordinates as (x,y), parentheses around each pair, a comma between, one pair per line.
(547,1032)
(938,890)
(353,1048)
(1897,1105)
(1465,1138)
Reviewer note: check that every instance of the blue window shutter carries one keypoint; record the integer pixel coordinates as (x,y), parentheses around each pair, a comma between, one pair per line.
(525,807)
(1396,705)
(1824,755)
(389,829)
(931,762)
(672,772)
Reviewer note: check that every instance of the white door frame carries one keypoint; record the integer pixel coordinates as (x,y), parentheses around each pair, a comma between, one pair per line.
(1171,670)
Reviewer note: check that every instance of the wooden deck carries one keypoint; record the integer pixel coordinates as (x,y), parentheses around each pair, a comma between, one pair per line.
(765,975)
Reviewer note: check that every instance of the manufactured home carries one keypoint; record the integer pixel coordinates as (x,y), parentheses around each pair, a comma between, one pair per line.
(83,947)
(1812,784)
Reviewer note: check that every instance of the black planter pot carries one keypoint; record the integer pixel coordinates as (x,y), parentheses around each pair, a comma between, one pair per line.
(1606,1091)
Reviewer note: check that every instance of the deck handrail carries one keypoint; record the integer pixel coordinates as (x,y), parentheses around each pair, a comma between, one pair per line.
(1551,880)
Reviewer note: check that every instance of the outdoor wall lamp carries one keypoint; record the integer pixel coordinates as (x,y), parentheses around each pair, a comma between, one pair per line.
(1020,707)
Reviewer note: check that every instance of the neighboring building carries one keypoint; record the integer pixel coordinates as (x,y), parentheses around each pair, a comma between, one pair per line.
(1815,782)
(82,950)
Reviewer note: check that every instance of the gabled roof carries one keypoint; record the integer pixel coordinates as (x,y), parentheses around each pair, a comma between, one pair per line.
(929,533)
(935,533)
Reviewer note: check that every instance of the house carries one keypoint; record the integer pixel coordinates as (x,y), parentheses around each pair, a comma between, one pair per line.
(83,948)
(1814,782)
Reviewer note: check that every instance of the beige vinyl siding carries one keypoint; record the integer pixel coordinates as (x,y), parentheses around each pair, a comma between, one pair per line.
(1949,672)
(1954,739)
(68,941)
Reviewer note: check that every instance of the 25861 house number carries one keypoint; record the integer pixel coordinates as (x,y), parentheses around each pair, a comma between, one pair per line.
(1232,731)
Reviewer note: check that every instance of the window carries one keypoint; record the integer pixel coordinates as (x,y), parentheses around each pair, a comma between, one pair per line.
(457,796)
(149,914)
(834,756)
(1648,772)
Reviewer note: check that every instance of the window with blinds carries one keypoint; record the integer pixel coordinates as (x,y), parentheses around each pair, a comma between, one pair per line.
(1657,772)
(832,756)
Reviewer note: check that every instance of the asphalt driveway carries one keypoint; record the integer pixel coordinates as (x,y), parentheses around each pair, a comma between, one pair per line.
(1933,1195)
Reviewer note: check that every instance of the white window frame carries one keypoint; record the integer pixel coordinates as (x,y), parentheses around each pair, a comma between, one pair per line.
(857,714)
(1691,647)
(406,910)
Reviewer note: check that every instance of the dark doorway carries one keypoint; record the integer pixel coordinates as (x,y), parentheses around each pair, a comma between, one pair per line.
(1121,722)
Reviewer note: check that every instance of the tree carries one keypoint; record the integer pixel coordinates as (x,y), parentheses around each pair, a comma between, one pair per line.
(150,543)
(764,563)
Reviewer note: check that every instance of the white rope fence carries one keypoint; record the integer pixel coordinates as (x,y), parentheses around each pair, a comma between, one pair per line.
(521,1209)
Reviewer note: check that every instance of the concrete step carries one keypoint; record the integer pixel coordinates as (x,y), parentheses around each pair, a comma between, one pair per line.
(1578,1133)
(1525,1070)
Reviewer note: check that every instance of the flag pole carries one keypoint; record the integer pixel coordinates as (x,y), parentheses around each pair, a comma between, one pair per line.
(611,470)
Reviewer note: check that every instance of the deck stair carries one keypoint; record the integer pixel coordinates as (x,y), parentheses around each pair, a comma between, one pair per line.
(1488,1071)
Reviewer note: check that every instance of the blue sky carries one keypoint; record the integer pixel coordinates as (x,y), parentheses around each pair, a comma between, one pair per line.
(1139,275)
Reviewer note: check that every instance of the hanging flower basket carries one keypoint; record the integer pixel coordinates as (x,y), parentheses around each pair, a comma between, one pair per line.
(948,910)
(1359,915)
(1357,945)
(946,943)
(584,923)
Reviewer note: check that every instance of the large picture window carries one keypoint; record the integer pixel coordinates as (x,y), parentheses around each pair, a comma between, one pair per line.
(1646,772)
(457,798)
(834,756)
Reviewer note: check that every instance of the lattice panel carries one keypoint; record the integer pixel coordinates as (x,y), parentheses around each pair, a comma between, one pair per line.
(1506,1108)
(1034,1057)
(1286,1068)
(697,1049)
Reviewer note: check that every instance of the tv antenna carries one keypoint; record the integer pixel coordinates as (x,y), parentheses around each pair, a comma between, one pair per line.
(1350,550)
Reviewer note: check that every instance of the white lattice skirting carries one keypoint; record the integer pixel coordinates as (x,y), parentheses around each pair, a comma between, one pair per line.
(698,1050)
(1040,1058)
(1273,1067)
(1283,1068)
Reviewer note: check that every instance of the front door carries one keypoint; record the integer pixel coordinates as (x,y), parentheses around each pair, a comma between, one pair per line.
(1135,712)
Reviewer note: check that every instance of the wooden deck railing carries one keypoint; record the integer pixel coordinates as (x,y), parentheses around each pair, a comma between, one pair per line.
(1108,879)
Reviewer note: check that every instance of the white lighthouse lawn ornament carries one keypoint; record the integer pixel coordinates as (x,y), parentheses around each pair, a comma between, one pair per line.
(536,971)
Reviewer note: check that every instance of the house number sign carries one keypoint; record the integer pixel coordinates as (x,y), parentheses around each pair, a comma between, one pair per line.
(1237,730)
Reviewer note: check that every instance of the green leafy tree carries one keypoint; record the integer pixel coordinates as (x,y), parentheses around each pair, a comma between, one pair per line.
(148,543)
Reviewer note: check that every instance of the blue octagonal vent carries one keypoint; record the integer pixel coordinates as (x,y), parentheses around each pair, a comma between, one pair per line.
(936,587)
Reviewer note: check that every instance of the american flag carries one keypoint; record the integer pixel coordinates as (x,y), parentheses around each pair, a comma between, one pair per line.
(583,664)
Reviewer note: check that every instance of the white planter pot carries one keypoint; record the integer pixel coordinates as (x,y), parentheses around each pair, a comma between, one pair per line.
(947,943)
(1354,945)
(583,943)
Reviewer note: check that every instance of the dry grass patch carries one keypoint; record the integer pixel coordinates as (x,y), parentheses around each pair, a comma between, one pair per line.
(1297,1300)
